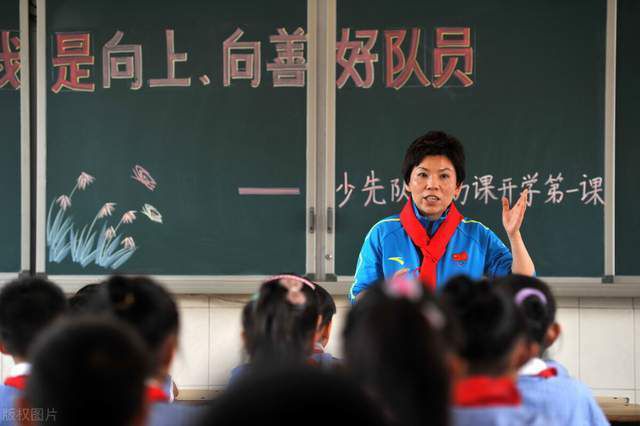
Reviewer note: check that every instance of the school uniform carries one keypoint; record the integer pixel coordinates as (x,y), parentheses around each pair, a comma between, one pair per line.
(560,369)
(12,388)
(163,413)
(323,359)
(565,399)
(490,401)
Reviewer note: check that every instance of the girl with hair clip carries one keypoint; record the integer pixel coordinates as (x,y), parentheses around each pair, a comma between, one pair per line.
(279,324)
(545,385)
(493,347)
(151,311)
(394,349)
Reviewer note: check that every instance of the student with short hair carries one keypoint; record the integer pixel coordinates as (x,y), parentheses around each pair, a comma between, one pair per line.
(543,386)
(327,309)
(494,348)
(86,371)
(27,307)
(151,311)
(81,302)
(394,350)
(292,396)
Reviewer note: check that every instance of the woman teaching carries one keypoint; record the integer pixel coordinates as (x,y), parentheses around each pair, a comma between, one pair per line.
(430,238)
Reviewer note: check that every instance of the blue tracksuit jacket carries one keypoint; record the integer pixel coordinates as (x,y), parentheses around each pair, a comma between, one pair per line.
(473,250)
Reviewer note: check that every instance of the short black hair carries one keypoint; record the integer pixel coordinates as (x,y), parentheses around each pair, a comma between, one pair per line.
(489,320)
(81,302)
(293,396)
(326,305)
(538,314)
(435,143)
(28,306)
(143,304)
(88,371)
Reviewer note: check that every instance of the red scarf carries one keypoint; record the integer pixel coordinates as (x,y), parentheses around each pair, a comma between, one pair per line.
(18,382)
(432,248)
(485,391)
(156,394)
(548,372)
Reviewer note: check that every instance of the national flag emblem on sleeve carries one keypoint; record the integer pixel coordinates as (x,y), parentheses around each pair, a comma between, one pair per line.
(460,257)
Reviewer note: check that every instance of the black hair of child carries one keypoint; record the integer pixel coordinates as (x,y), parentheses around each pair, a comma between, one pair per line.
(394,349)
(88,371)
(27,307)
(435,143)
(326,305)
(282,331)
(143,304)
(81,302)
(247,325)
(538,314)
(490,322)
(298,396)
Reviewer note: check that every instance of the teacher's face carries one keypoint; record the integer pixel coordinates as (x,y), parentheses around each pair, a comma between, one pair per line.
(433,185)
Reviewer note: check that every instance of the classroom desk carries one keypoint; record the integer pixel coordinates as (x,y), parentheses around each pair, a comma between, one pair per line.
(620,411)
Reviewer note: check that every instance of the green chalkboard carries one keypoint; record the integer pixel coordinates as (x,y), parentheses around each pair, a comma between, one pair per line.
(535,104)
(188,154)
(10,184)
(627,138)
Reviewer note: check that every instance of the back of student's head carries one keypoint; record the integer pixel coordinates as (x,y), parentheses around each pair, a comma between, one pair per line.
(143,304)
(535,300)
(491,324)
(326,305)
(297,396)
(81,302)
(393,347)
(27,307)
(285,315)
(88,371)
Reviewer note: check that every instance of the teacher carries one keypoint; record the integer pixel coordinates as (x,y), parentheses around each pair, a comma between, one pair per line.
(430,239)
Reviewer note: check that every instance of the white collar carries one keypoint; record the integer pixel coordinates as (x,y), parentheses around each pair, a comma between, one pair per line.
(20,369)
(533,367)
(318,346)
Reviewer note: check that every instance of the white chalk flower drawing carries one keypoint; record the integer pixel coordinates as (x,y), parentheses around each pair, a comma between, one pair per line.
(98,242)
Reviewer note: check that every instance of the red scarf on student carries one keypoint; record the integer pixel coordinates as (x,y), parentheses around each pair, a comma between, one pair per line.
(18,382)
(432,248)
(156,394)
(485,391)
(548,373)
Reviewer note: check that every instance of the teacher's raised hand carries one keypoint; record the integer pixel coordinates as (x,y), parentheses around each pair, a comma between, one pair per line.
(512,219)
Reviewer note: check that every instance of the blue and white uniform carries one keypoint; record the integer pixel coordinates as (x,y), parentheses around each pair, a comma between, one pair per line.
(473,250)
(564,399)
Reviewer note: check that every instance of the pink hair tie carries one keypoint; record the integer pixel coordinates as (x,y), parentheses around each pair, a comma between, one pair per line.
(400,286)
(528,292)
(294,278)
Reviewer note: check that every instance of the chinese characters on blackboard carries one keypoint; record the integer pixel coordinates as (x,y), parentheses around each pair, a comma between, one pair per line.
(449,63)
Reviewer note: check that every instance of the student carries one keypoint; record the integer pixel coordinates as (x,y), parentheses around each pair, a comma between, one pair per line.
(300,395)
(27,307)
(394,350)
(152,312)
(86,371)
(80,302)
(430,237)
(283,323)
(494,348)
(327,309)
(566,400)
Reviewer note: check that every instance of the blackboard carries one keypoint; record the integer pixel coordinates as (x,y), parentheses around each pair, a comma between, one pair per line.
(182,164)
(535,104)
(10,171)
(627,137)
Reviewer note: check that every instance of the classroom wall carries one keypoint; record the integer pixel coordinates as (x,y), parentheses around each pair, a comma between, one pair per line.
(600,343)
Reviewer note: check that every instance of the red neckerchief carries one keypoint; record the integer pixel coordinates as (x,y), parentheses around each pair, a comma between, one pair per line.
(485,391)
(548,372)
(432,248)
(18,382)
(156,394)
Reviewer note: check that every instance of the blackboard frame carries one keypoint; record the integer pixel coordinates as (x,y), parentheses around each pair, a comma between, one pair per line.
(25,156)
(321,175)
